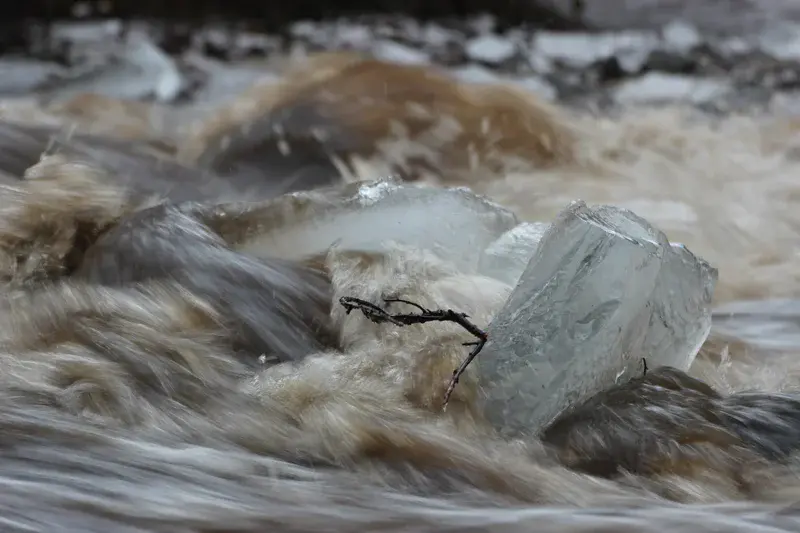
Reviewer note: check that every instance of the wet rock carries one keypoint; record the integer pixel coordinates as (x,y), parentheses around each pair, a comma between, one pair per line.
(449,54)
(232,45)
(667,423)
(571,66)
(606,71)
(667,61)
(760,70)
(581,50)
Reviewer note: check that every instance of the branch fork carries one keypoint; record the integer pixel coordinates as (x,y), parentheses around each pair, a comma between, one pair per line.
(380,315)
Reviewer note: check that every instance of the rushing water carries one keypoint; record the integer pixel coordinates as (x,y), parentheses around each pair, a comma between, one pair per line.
(126,409)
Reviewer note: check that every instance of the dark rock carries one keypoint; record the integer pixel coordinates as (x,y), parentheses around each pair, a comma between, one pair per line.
(450,54)
(216,50)
(758,69)
(608,70)
(663,423)
(712,60)
(667,61)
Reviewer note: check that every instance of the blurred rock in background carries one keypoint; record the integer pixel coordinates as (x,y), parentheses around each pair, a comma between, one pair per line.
(716,55)
(273,16)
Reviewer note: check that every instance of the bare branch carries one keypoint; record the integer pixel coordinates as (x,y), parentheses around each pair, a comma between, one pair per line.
(379,315)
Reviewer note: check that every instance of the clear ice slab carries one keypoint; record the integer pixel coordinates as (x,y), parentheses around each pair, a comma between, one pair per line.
(507,257)
(603,291)
(454,223)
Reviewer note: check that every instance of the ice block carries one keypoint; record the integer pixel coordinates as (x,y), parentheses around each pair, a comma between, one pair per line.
(603,291)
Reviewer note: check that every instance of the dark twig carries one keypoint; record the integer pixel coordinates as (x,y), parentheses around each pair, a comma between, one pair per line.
(644,367)
(378,315)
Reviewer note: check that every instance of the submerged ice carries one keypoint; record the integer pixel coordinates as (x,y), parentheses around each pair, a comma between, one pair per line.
(603,291)
(456,224)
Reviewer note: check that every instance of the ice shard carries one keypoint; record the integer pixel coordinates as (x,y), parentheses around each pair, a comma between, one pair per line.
(507,257)
(603,291)
(454,223)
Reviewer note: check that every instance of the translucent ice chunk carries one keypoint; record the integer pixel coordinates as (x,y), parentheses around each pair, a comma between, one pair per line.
(764,324)
(603,290)
(454,223)
(507,257)
(679,309)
